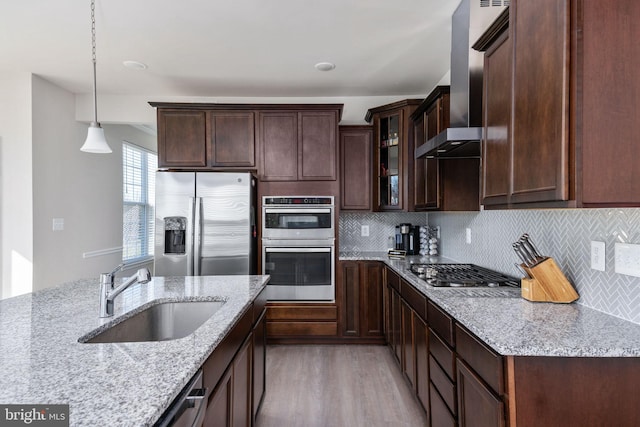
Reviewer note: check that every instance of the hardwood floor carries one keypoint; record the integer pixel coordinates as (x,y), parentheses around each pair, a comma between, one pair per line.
(336,385)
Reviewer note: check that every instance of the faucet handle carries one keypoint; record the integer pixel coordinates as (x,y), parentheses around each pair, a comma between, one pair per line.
(108,278)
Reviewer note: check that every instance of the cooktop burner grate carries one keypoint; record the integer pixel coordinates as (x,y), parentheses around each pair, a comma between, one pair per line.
(462,275)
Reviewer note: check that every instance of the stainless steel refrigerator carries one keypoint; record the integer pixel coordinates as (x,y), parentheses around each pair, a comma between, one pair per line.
(205,224)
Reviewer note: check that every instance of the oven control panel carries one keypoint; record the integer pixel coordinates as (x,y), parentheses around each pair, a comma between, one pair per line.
(298,200)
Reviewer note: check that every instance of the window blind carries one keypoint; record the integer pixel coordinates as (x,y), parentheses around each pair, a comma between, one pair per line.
(138,197)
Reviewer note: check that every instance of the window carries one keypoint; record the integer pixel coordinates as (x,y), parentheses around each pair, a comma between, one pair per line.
(138,197)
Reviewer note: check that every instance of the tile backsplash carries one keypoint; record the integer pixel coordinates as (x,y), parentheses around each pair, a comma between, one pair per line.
(382,229)
(565,235)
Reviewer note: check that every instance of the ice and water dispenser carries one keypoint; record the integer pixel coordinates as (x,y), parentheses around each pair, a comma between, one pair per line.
(175,232)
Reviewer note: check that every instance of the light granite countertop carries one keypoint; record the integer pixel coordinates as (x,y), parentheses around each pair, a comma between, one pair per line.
(514,326)
(119,384)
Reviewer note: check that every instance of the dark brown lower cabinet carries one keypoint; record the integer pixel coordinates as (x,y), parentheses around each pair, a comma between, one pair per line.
(259,362)
(440,415)
(462,382)
(361,301)
(573,391)
(350,301)
(301,323)
(372,310)
(219,411)
(230,403)
(396,325)
(242,393)
(408,355)
(477,404)
(444,385)
(386,309)
(407,333)
(234,374)
(421,346)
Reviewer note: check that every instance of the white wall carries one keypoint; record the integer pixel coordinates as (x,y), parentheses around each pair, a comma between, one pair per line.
(16,237)
(44,175)
(84,189)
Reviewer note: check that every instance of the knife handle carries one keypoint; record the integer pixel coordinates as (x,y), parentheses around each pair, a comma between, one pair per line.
(533,247)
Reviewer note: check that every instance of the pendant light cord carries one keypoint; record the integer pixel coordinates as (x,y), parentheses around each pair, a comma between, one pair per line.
(93,59)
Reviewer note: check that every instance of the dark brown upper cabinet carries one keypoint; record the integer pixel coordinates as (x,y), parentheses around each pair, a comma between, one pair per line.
(292,142)
(318,145)
(205,139)
(182,138)
(298,145)
(572,106)
(496,143)
(441,184)
(231,138)
(356,153)
(278,140)
(393,155)
(541,102)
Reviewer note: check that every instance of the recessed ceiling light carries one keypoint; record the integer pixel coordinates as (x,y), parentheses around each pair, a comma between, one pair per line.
(135,65)
(325,66)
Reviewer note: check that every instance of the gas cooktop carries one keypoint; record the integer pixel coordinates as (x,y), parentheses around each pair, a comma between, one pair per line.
(462,275)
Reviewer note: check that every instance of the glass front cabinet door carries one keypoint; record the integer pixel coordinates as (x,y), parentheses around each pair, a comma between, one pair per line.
(389,171)
(393,154)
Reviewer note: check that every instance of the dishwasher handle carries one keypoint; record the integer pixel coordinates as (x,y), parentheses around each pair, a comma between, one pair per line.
(200,399)
(190,405)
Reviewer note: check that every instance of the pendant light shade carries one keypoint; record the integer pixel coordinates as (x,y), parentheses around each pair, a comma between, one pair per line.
(95,142)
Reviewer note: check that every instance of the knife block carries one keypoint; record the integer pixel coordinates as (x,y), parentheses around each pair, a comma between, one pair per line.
(547,284)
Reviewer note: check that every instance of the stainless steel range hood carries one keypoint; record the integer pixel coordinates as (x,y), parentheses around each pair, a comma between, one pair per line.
(462,139)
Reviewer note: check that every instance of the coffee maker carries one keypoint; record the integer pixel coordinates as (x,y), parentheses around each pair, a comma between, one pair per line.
(408,238)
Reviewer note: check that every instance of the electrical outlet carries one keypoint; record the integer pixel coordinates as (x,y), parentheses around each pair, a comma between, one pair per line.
(627,258)
(364,230)
(58,224)
(468,236)
(597,255)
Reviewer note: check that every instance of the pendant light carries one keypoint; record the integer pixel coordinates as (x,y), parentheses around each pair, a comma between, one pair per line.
(95,142)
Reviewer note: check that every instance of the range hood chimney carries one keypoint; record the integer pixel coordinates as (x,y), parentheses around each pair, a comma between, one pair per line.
(462,139)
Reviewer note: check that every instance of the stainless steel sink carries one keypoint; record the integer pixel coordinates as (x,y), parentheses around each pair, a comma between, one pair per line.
(160,322)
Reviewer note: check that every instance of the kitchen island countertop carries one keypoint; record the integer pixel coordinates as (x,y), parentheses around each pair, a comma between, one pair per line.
(513,326)
(42,362)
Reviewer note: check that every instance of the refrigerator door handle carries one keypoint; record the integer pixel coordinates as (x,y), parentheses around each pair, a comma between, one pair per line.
(197,236)
(190,230)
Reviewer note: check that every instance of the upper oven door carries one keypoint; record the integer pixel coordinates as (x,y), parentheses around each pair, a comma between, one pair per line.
(297,223)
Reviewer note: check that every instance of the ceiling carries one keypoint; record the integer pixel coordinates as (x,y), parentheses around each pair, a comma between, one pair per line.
(233,48)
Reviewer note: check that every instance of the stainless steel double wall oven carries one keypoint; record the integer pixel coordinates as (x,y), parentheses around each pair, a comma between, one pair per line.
(298,247)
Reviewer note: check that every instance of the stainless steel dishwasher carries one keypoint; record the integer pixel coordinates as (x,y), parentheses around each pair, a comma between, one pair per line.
(189,408)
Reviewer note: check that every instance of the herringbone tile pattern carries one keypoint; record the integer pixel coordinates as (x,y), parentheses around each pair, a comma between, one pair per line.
(565,235)
(381,229)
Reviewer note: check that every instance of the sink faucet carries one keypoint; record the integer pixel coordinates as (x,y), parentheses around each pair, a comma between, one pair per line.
(108,293)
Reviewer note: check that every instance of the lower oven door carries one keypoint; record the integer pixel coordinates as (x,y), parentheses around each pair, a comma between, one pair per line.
(299,273)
